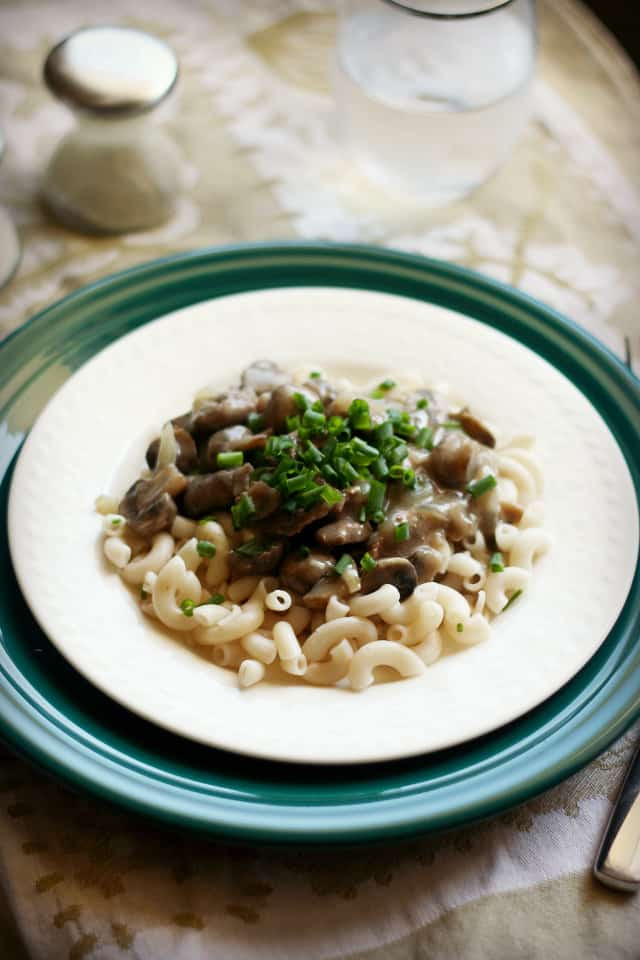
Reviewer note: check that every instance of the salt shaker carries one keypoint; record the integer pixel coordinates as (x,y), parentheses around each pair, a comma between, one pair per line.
(116,170)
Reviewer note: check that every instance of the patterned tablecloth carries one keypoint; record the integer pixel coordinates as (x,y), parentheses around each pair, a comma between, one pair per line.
(253,117)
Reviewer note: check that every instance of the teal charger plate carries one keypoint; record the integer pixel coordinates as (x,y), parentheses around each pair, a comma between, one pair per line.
(50,714)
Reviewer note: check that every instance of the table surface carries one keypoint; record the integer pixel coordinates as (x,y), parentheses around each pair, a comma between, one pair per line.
(253,116)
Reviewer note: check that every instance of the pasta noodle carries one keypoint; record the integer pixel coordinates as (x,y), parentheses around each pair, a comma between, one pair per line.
(441,527)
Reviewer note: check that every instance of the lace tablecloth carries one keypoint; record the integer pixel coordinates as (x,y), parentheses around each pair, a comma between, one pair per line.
(253,118)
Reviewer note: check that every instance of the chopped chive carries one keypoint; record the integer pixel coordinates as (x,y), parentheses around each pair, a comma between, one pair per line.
(379,468)
(315,374)
(460,627)
(300,401)
(116,521)
(367,562)
(478,487)
(203,520)
(383,432)
(216,599)
(335,425)
(342,564)
(255,422)
(378,516)
(205,548)
(330,495)
(187,607)
(295,484)
(304,551)
(409,478)
(277,445)
(242,510)
(401,531)
(313,420)
(375,497)
(396,471)
(362,514)
(318,406)
(252,548)
(330,474)
(424,439)
(359,415)
(230,458)
(292,424)
(496,563)
(451,425)
(511,600)
(422,403)
(383,388)
(312,452)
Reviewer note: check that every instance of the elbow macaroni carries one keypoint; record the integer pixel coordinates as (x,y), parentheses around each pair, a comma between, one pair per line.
(256,627)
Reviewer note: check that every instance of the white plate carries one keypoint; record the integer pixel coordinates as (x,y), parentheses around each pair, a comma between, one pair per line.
(91,438)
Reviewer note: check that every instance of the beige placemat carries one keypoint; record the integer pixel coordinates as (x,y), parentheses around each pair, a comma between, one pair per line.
(253,119)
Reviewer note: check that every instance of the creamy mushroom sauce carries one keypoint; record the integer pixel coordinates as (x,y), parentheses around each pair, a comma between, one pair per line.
(311,474)
(318,496)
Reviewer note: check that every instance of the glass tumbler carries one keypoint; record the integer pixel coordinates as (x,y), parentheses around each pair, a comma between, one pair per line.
(431,96)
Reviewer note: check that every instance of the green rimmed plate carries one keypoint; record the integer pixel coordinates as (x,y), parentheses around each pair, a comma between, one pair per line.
(51,714)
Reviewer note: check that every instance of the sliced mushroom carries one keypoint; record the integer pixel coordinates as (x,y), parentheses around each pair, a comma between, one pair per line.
(225,410)
(214,491)
(397,571)
(318,597)
(325,391)
(255,564)
(263,376)
(475,429)
(451,462)
(237,437)
(430,560)
(148,505)
(347,528)
(265,499)
(187,457)
(300,573)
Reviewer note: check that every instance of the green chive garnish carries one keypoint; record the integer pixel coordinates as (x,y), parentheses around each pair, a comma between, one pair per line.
(451,425)
(424,438)
(230,458)
(313,420)
(242,511)
(375,497)
(255,422)
(511,600)
(422,403)
(252,548)
(342,564)
(367,562)
(401,531)
(206,519)
(478,487)
(205,548)
(383,388)
(460,627)
(496,563)
(304,551)
(300,401)
(315,374)
(187,607)
(216,599)
(409,478)
(359,415)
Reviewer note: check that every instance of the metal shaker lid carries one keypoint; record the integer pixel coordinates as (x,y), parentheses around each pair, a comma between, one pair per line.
(450,9)
(111,71)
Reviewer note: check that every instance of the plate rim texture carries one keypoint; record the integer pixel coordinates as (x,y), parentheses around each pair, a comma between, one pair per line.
(268,801)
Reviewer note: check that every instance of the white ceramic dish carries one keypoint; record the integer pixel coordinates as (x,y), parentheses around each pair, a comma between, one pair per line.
(91,437)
